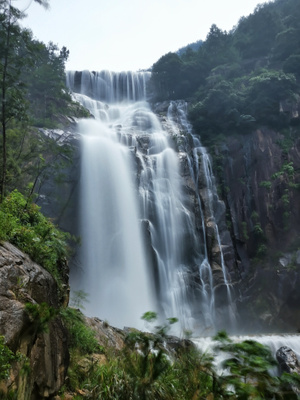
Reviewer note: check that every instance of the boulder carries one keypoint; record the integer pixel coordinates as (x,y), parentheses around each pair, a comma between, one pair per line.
(288,362)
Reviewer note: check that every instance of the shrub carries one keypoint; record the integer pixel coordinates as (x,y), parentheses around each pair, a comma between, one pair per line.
(82,338)
(265,184)
(41,315)
(6,359)
(22,224)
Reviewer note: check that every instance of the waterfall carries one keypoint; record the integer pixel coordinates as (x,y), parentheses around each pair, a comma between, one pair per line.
(114,271)
(143,248)
(177,115)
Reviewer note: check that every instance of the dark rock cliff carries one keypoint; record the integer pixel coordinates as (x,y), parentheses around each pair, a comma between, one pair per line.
(24,282)
(259,177)
(58,198)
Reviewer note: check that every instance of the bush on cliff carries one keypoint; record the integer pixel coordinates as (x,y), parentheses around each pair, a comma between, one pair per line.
(22,224)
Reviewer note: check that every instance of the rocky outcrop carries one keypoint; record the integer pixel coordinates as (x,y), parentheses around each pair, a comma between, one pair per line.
(106,335)
(110,337)
(288,362)
(44,347)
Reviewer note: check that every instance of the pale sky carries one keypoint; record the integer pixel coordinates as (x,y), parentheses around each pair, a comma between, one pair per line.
(121,35)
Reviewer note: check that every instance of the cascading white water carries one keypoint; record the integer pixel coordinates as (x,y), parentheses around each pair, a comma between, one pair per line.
(115,274)
(177,115)
(163,206)
(140,247)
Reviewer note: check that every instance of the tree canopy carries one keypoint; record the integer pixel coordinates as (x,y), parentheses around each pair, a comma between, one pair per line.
(32,92)
(238,80)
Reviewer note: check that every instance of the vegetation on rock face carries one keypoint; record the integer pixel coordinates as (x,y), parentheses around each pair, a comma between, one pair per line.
(22,224)
(6,359)
(82,339)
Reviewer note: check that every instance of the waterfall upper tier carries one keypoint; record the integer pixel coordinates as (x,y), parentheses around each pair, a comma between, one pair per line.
(111,87)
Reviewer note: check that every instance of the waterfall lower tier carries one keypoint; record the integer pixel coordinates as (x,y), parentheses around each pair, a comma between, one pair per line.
(273,342)
(148,242)
(115,274)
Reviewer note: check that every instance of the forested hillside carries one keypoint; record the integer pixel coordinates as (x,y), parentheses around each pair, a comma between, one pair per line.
(241,79)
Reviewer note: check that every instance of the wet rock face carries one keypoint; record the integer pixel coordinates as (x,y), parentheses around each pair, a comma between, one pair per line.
(259,175)
(22,281)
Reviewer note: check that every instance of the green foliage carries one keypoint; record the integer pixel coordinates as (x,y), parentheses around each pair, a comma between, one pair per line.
(78,298)
(144,370)
(245,230)
(6,359)
(13,45)
(261,251)
(82,338)
(265,184)
(23,225)
(41,315)
(146,366)
(149,316)
(292,64)
(166,74)
(9,395)
(236,80)
(47,93)
(31,158)
(258,230)
(249,365)
(254,216)
(32,91)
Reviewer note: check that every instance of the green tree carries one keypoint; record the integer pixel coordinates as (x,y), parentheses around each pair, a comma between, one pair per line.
(23,225)
(166,74)
(47,93)
(264,93)
(218,48)
(12,100)
(14,58)
(255,35)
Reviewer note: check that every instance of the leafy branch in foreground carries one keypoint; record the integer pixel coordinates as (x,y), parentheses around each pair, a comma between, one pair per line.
(248,371)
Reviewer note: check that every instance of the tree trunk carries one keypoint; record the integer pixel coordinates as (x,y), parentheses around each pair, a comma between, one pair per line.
(3,109)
